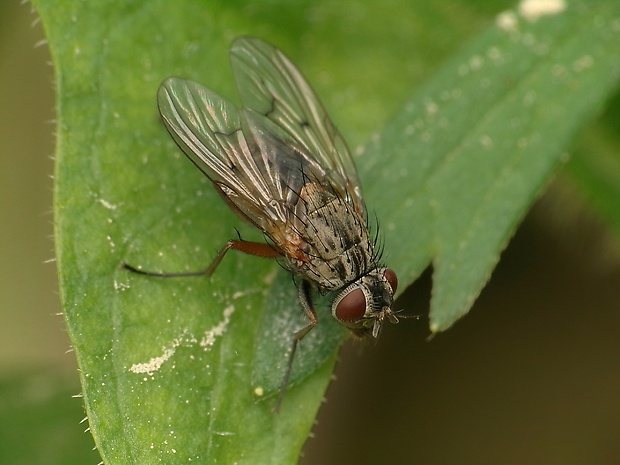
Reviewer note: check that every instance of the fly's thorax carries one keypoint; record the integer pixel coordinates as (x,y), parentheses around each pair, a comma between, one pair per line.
(336,247)
(365,303)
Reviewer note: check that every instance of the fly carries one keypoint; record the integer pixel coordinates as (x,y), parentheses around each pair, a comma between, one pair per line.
(280,164)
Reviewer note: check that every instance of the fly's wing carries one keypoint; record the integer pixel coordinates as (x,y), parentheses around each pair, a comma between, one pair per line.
(210,130)
(272,87)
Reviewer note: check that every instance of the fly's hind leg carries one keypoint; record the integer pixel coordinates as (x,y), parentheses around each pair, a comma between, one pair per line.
(258,249)
(305,299)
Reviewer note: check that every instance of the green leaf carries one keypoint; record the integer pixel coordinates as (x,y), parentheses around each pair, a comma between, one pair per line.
(186,370)
(475,146)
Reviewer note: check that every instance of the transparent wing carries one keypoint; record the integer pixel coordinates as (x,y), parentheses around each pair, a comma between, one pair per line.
(269,84)
(212,133)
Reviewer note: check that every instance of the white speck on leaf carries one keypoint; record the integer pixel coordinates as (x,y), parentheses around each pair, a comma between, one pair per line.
(532,10)
(475,62)
(108,205)
(583,63)
(153,364)
(507,21)
(210,336)
(218,330)
(431,108)
(486,141)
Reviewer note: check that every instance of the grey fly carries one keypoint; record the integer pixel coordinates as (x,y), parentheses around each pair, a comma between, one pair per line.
(279,163)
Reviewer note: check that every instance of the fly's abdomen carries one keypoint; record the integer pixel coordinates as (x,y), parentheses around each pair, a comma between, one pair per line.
(335,238)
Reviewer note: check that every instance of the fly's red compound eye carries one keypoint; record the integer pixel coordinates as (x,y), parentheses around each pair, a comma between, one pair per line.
(391,278)
(352,307)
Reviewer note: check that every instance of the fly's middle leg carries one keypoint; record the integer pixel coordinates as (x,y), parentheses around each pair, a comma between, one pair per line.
(305,299)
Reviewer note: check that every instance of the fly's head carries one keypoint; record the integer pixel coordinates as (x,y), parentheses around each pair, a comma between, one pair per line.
(365,303)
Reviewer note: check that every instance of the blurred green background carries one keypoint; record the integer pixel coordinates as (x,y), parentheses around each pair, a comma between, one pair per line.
(531,375)
(39,418)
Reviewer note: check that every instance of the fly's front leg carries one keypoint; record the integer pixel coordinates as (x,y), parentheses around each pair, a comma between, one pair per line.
(305,298)
(258,249)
